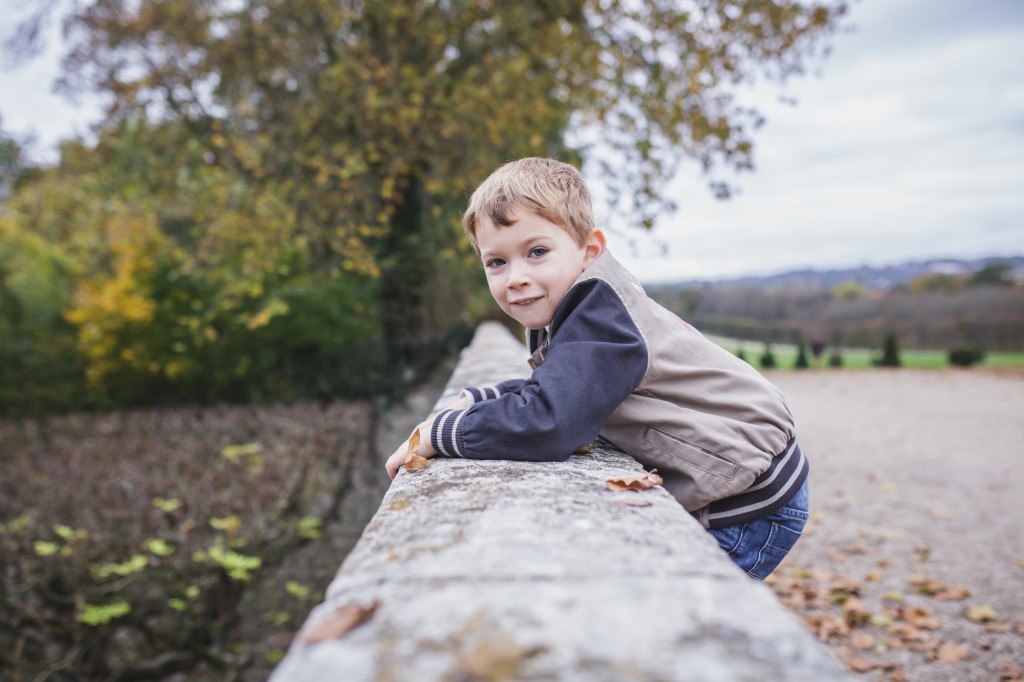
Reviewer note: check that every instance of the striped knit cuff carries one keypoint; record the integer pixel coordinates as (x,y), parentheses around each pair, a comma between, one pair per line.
(445,434)
(476,394)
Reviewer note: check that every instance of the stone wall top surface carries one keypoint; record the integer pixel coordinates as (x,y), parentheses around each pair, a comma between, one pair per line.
(503,570)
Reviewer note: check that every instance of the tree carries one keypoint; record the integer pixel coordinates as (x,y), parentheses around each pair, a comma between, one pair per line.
(890,352)
(375,119)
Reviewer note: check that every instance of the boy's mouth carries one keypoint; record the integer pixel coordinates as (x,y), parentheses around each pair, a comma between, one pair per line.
(525,300)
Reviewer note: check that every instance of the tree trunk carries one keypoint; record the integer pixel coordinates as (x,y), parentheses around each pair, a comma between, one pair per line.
(407,257)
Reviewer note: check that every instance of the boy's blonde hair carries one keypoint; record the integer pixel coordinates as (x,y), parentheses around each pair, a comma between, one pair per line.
(553,190)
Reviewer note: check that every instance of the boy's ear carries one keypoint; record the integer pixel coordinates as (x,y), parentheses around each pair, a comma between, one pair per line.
(593,247)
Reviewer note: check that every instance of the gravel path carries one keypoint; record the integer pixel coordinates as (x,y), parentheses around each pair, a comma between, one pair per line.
(916,491)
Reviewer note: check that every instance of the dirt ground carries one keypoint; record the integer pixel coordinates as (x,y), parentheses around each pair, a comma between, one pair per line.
(912,567)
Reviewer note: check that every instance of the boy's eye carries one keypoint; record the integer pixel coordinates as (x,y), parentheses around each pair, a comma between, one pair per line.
(495,263)
(538,252)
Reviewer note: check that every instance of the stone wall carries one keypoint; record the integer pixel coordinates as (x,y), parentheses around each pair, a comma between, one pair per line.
(502,570)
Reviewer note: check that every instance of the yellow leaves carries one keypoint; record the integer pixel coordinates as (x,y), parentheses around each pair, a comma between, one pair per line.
(44,549)
(982,613)
(262,318)
(338,623)
(99,614)
(637,483)
(248,455)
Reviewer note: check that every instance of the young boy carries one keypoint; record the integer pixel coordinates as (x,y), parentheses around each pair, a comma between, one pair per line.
(609,361)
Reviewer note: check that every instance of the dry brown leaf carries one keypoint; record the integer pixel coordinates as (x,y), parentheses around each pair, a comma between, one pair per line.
(583,450)
(925,585)
(637,483)
(862,641)
(337,624)
(948,652)
(862,665)
(897,675)
(413,460)
(828,627)
(940,515)
(854,612)
(921,618)
(998,628)
(952,593)
(908,633)
(1008,670)
(983,613)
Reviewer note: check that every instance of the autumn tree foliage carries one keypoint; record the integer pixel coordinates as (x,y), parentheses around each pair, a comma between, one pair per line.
(358,129)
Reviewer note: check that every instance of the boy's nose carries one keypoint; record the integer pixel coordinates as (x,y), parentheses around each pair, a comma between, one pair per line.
(516,277)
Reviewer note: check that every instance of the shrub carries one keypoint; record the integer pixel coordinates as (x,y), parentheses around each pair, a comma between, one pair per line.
(890,352)
(965,356)
(768,358)
(165,522)
(835,359)
(801,357)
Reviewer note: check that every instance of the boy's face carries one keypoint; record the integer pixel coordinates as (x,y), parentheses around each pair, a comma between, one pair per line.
(531,264)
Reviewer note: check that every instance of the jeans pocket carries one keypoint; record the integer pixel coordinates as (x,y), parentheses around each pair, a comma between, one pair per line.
(780,541)
(728,538)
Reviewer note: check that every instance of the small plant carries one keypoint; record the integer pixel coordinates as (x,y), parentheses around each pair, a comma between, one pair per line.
(741,354)
(835,359)
(965,356)
(768,358)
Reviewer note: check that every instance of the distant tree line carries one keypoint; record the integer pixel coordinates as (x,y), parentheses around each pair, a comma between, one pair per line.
(984,308)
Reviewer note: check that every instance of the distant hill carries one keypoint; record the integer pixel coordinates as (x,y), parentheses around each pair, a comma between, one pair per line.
(878,278)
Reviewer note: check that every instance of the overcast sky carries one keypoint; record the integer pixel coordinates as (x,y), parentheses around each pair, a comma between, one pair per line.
(908,145)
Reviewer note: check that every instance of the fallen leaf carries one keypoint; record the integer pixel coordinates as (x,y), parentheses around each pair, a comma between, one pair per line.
(998,628)
(861,665)
(413,460)
(983,613)
(854,611)
(873,576)
(952,593)
(338,623)
(926,586)
(898,675)
(637,483)
(908,633)
(921,618)
(1008,670)
(948,652)
(862,641)
(583,450)
(940,515)
(827,627)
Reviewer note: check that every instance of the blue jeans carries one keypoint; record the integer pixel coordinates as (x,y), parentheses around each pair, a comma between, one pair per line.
(759,546)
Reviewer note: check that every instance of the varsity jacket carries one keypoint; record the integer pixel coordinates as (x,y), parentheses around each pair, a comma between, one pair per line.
(615,364)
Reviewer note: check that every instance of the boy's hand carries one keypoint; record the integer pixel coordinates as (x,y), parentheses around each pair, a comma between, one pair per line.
(425,449)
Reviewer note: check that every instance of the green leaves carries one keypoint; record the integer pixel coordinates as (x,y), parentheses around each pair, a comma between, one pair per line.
(99,614)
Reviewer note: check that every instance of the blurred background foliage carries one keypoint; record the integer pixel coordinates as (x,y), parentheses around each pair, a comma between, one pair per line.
(269,210)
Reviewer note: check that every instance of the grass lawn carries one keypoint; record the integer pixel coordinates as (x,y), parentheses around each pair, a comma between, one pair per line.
(858,358)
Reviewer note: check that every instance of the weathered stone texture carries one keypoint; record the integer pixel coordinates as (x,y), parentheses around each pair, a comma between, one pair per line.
(501,570)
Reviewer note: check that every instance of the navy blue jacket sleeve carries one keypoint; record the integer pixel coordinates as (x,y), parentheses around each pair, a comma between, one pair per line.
(595,359)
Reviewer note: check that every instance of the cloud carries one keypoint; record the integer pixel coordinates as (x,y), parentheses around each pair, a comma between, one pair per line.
(911,145)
